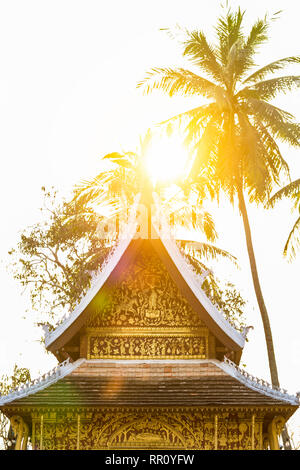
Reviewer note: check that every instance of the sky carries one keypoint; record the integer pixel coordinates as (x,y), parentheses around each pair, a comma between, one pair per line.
(68,96)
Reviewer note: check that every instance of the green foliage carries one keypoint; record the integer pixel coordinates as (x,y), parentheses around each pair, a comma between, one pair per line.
(55,258)
(20,376)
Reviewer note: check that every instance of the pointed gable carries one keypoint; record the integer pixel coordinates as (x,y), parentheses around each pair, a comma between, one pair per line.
(146,308)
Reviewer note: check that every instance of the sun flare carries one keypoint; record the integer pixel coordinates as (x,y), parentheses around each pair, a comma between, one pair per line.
(166,159)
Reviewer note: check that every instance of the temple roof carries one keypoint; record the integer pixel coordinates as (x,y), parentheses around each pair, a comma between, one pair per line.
(182,272)
(149,382)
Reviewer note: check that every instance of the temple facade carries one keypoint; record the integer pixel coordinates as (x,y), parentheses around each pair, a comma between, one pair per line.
(146,361)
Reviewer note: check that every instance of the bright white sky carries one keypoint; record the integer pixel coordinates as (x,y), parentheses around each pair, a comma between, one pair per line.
(68,96)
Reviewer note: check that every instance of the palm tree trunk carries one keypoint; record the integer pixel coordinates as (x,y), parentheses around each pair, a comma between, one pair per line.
(261,304)
(258,292)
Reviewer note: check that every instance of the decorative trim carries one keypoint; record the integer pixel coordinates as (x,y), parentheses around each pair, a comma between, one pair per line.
(156,346)
(149,331)
(257,384)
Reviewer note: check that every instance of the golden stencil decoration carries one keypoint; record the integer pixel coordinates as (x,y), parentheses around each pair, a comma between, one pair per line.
(145,296)
(150,346)
(148,428)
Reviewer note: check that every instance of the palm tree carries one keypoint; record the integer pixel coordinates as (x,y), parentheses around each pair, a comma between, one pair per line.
(292,190)
(233,135)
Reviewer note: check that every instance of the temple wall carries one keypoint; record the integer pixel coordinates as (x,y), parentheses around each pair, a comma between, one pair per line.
(147,428)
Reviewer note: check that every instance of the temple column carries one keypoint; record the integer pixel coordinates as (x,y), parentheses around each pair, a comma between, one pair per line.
(216,432)
(78,432)
(274,430)
(21,431)
(41,432)
(253,432)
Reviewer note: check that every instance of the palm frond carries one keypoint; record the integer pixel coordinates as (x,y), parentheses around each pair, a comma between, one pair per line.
(203,55)
(268,89)
(197,125)
(271,68)
(126,160)
(257,36)
(190,114)
(241,55)
(293,242)
(178,81)
(229,31)
(204,147)
(254,161)
(207,251)
(273,150)
(291,190)
(278,122)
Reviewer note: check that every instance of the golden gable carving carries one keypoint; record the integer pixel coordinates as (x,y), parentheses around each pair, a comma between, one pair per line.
(146,296)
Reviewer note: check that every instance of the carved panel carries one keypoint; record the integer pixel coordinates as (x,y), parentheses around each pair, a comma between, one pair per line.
(150,346)
(148,428)
(145,316)
(145,296)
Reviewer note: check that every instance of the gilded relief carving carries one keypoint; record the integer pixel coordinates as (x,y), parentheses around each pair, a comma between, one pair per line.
(147,317)
(147,347)
(146,296)
(147,428)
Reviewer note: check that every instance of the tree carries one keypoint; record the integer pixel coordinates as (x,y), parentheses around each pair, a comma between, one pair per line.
(56,257)
(292,191)
(20,376)
(233,136)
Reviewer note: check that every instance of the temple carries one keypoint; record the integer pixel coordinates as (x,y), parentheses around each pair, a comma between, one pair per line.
(147,361)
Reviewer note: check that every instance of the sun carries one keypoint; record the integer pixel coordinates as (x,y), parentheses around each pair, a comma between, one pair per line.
(166,159)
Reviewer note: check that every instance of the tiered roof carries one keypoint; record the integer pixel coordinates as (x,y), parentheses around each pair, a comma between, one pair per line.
(191,382)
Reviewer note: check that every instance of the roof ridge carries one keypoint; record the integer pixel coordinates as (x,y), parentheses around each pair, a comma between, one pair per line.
(257,384)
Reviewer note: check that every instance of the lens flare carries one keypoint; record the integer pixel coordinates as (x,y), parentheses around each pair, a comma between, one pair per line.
(166,159)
